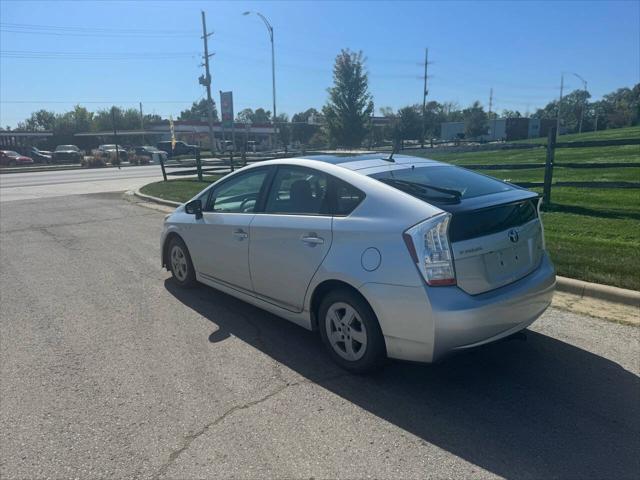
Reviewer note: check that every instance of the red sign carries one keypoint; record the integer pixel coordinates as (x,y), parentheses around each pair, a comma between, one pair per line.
(226,109)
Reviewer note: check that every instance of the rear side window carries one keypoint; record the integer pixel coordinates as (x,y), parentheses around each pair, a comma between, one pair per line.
(348,198)
(301,191)
(468,184)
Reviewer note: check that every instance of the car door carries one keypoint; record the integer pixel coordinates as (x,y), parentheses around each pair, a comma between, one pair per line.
(220,239)
(291,237)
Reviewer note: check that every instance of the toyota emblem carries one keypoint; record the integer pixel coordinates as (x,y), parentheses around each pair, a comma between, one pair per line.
(513,236)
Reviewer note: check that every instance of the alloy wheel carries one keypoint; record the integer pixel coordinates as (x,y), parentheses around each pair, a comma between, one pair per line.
(179,264)
(346,331)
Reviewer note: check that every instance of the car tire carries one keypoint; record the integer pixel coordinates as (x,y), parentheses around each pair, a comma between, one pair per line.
(180,263)
(350,331)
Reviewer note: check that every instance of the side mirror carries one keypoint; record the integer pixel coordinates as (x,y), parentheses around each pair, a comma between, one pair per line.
(194,207)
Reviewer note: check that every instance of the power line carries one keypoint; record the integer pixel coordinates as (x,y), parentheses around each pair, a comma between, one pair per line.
(89,31)
(95,101)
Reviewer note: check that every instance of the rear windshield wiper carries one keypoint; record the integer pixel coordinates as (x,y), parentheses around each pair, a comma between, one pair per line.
(420,188)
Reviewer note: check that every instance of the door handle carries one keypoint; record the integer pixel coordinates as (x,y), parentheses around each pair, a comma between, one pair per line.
(312,240)
(240,234)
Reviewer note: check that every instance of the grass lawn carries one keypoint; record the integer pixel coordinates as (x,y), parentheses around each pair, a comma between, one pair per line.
(623,153)
(179,190)
(611,134)
(594,234)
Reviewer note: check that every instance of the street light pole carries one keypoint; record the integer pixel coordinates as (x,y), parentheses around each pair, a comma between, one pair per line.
(559,105)
(584,101)
(273,61)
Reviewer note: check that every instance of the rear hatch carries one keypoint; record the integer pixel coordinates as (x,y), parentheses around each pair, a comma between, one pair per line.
(495,233)
(495,245)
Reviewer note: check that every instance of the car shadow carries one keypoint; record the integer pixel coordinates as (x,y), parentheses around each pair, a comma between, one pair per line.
(538,408)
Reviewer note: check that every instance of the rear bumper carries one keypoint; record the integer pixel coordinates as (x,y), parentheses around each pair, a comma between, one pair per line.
(425,324)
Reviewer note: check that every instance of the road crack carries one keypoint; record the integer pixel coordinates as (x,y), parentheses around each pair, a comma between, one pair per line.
(189,439)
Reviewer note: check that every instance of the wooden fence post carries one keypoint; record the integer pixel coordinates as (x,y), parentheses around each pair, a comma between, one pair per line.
(164,173)
(548,167)
(198,165)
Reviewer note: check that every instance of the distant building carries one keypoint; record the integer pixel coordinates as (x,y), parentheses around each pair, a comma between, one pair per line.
(190,131)
(501,129)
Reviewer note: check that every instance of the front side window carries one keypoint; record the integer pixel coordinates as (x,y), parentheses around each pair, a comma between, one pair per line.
(238,195)
(300,191)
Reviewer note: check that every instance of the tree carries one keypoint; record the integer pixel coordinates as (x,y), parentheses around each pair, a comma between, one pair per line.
(40,120)
(572,105)
(301,130)
(620,108)
(198,111)
(245,116)
(350,105)
(410,122)
(475,121)
(511,114)
(259,116)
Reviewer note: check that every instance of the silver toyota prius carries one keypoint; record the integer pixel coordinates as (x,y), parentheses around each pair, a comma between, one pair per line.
(384,256)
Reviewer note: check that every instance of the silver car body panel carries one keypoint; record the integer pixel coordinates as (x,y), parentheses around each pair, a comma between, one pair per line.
(284,253)
(365,250)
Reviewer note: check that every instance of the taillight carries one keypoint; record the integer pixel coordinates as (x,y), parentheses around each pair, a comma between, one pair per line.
(428,245)
(544,242)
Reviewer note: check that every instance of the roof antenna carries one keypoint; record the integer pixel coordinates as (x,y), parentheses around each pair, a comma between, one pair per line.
(393,152)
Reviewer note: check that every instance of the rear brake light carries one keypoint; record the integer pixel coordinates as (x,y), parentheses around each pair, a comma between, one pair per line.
(428,245)
(544,242)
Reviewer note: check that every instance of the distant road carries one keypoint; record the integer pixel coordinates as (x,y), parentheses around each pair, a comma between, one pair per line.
(33,185)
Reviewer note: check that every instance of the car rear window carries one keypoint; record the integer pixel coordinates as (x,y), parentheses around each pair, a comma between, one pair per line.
(468,184)
(478,223)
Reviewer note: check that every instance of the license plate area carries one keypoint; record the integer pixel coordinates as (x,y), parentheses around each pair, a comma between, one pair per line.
(507,263)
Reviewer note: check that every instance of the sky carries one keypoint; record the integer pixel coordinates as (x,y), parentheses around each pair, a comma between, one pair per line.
(54,55)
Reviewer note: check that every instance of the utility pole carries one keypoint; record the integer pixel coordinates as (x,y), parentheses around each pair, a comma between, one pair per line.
(584,104)
(142,123)
(424,98)
(206,80)
(559,105)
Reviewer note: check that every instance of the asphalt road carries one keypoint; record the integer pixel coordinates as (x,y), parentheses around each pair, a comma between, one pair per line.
(33,185)
(109,370)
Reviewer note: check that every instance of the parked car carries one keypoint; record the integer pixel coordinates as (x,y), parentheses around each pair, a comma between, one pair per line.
(150,153)
(11,158)
(107,153)
(40,156)
(402,257)
(66,154)
(181,148)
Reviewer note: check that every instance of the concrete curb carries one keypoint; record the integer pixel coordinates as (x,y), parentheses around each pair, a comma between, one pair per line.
(563,284)
(599,291)
(161,201)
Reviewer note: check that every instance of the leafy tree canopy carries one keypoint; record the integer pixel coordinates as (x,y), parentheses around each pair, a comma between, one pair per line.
(198,111)
(350,104)
(475,121)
